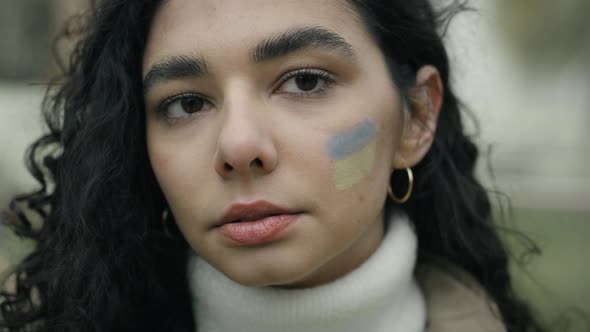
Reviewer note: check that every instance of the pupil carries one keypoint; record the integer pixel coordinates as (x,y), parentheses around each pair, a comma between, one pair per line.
(306,82)
(191,105)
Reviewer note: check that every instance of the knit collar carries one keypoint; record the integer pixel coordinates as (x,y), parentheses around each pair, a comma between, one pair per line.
(379,295)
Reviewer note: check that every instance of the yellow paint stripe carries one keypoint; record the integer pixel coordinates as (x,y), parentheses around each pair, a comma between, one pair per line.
(352,169)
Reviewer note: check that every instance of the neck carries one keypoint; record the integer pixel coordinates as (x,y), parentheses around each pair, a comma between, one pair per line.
(378,295)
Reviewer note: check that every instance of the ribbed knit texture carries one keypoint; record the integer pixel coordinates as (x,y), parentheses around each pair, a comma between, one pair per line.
(378,296)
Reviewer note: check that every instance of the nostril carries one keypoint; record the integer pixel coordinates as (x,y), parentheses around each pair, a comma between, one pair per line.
(227,167)
(257,162)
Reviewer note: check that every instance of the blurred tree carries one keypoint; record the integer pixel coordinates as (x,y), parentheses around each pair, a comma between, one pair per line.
(546,31)
(25,38)
(27,31)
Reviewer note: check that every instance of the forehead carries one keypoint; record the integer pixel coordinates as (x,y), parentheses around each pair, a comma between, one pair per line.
(218,28)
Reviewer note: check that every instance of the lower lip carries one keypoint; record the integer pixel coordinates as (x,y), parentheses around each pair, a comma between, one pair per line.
(258,231)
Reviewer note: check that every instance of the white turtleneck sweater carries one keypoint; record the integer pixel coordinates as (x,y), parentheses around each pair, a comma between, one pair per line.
(379,295)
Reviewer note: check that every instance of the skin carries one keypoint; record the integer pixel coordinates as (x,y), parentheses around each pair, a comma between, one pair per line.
(259,141)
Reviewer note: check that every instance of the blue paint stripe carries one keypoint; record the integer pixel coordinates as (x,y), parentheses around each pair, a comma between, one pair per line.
(352,140)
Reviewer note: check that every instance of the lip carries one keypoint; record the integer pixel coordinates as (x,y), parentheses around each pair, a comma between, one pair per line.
(251,212)
(255,223)
(258,231)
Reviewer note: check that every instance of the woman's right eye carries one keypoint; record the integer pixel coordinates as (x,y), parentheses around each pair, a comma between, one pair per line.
(182,106)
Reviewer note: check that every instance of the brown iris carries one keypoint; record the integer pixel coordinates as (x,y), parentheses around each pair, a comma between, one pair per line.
(191,104)
(306,82)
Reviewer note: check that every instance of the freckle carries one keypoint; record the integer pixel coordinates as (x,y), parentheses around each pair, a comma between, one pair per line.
(361,198)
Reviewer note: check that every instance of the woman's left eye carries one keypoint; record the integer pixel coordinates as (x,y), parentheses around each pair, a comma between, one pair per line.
(306,82)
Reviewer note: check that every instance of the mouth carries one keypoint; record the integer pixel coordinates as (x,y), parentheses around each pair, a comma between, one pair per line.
(238,213)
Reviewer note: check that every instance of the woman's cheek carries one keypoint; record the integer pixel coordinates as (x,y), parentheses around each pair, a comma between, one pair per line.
(171,164)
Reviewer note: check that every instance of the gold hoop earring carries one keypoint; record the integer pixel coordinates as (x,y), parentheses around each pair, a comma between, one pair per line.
(408,192)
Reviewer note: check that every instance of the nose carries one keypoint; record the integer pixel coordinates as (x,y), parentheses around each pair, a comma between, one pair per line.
(245,148)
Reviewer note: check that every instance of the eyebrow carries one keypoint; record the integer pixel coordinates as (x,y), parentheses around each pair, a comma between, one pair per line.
(287,42)
(295,39)
(175,67)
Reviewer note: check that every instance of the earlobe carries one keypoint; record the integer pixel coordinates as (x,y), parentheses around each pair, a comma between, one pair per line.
(424,103)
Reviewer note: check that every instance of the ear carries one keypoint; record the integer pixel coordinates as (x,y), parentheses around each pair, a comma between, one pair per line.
(421,110)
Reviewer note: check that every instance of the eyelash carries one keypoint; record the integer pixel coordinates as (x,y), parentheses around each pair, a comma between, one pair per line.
(326,77)
(167,101)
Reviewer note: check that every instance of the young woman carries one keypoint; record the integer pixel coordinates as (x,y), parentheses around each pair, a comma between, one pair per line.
(259,165)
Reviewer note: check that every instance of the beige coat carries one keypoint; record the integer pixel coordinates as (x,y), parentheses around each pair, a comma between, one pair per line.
(455,302)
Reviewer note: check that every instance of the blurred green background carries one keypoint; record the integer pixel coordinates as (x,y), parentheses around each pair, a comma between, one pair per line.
(557,281)
(522,67)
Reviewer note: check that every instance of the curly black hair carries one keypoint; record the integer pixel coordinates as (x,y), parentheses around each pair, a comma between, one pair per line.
(103,260)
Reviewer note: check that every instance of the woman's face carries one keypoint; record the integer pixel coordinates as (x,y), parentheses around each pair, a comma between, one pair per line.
(288,102)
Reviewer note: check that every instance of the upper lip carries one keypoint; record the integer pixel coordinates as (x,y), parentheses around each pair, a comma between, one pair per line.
(251,211)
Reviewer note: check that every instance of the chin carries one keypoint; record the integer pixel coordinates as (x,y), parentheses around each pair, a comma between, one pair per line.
(280,277)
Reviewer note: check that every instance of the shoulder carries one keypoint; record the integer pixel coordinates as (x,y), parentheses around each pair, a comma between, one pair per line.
(456,302)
